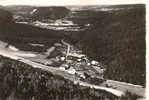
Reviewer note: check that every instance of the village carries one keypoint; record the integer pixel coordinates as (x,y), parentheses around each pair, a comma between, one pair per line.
(71,60)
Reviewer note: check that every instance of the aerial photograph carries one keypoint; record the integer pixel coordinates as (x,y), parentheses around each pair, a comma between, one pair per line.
(52,50)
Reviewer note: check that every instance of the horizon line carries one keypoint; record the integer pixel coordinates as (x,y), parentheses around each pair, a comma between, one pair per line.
(69,2)
(72,5)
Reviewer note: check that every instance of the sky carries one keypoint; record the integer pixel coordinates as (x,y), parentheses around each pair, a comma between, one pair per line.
(69,2)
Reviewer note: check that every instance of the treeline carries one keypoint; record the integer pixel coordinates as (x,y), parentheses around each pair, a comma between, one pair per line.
(19,81)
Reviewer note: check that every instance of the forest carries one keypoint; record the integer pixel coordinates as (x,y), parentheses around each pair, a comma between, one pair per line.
(19,81)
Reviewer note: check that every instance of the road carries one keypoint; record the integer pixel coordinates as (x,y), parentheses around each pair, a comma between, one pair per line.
(123,86)
(120,87)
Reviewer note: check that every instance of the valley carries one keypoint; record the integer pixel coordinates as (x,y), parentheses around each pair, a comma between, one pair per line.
(97,47)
